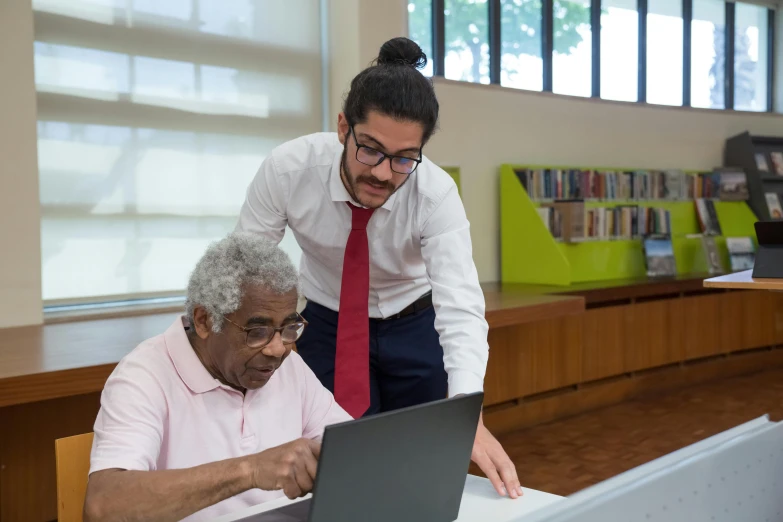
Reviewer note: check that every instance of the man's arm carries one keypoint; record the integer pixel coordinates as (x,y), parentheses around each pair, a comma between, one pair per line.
(264,209)
(460,322)
(456,294)
(120,495)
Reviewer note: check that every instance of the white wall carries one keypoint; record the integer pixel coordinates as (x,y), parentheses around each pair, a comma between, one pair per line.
(20,258)
(484,126)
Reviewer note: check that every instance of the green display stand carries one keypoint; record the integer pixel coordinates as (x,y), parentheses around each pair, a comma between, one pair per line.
(529,253)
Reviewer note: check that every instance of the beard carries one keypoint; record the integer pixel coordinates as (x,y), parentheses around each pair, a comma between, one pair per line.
(352,183)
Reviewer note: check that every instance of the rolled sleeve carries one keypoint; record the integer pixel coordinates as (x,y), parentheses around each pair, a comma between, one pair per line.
(456,295)
(128,431)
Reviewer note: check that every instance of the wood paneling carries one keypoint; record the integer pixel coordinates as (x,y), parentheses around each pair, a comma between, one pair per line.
(604,335)
(654,334)
(701,325)
(730,327)
(504,380)
(758,318)
(552,354)
(506,418)
(533,358)
(28,488)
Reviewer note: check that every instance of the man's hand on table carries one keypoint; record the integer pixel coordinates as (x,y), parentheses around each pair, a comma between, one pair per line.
(290,467)
(489,455)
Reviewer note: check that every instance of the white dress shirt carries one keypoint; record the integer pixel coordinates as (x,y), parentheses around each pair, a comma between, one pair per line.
(419,241)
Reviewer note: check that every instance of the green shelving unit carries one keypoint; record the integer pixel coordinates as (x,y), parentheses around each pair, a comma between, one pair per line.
(529,253)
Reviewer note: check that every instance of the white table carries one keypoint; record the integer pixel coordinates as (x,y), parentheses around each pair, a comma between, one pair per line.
(480,503)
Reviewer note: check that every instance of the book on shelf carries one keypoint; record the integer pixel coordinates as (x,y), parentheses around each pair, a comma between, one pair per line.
(777,162)
(659,256)
(708,217)
(603,223)
(733,185)
(714,262)
(704,185)
(773,205)
(761,162)
(590,184)
(742,253)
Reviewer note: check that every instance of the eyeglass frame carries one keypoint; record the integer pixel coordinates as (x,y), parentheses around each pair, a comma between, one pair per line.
(385,156)
(276,329)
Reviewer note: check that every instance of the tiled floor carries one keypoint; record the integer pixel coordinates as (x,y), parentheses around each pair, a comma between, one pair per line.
(568,455)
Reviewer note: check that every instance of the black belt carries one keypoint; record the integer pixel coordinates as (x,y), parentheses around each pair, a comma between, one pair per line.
(422,303)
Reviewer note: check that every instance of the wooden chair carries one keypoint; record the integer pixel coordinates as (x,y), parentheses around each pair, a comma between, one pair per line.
(73,466)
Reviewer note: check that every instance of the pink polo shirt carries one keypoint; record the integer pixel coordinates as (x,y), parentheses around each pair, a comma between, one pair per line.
(161,409)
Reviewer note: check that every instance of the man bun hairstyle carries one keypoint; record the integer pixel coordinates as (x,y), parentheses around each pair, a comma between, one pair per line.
(393,86)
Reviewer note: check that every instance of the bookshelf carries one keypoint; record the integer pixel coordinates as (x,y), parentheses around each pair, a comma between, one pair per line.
(740,151)
(530,254)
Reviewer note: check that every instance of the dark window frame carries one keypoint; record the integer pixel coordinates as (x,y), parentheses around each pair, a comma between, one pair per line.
(547,48)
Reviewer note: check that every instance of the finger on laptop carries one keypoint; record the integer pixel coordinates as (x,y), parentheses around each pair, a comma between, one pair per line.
(291,487)
(302,475)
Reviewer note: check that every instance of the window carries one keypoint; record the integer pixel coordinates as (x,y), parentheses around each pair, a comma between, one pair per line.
(573,67)
(153,118)
(573,53)
(619,50)
(521,65)
(420,30)
(664,52)
(708,54)
(750,57)
(467,40)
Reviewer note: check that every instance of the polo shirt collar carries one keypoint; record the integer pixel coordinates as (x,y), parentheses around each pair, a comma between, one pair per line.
(337,188)
(187,363)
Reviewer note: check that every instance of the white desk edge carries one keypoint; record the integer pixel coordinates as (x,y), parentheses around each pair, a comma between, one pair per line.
(479,501)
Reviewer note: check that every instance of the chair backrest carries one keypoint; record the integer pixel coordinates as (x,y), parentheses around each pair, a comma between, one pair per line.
(73,466)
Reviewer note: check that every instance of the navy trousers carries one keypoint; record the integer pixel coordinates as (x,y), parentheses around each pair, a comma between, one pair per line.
(406,359)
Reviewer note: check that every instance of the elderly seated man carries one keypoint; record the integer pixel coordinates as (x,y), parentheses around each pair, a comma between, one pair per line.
(217,413)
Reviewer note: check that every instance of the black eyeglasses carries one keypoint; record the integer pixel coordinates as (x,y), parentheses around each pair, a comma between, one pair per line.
(258,336)
(373,158)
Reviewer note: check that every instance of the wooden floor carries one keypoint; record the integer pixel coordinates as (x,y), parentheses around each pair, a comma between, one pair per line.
(566,456)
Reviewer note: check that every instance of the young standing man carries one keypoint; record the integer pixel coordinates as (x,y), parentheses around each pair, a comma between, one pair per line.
(385,241)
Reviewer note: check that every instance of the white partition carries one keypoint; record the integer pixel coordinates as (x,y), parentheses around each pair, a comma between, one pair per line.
(735,476)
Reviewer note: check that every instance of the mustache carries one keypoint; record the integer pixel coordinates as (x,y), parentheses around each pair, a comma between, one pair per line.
(371,180)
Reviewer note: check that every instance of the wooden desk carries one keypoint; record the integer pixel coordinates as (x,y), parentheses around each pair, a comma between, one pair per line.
(613,290)
(60,360)
(743,281)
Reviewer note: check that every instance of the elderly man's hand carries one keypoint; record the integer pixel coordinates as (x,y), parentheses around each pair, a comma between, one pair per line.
(489,455)
(290,467)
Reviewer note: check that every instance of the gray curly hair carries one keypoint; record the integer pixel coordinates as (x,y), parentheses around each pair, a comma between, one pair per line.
(238,259)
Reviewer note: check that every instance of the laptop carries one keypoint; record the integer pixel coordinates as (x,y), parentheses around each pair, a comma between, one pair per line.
(408,464)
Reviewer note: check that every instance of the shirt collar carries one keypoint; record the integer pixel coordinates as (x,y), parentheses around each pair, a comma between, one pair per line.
(337,188)
(187,363)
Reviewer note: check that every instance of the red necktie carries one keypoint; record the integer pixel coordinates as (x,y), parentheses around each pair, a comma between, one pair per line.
(352,360)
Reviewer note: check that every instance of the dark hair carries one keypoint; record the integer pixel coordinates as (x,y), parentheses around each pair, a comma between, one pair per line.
(393,86)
